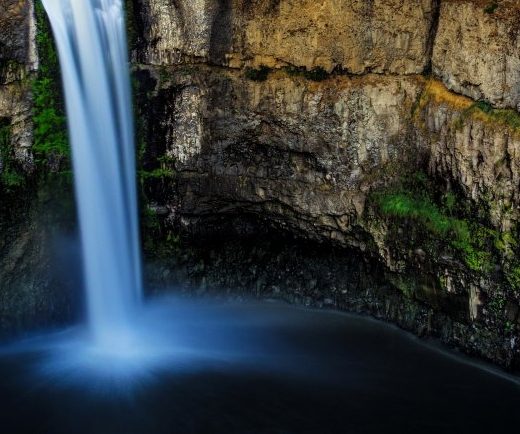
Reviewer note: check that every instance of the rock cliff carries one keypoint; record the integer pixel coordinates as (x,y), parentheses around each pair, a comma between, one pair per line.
(17,59)
(476,50)
(319,117)
(33,293)
(389,127)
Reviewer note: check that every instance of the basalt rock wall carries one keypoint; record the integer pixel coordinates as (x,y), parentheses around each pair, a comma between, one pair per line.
(383,36)
(305,114)
(471,45)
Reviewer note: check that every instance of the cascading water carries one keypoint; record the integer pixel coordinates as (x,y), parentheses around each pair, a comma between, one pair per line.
(90,37)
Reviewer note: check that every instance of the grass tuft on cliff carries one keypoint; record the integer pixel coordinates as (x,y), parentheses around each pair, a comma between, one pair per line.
(435,91)
(482,110)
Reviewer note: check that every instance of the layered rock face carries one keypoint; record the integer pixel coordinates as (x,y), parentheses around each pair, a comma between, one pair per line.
(306,152)
(17,41)
(306,114)
(476,51)
(381,36)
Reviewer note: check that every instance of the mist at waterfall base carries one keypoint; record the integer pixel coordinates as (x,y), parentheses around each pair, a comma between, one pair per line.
(168,365)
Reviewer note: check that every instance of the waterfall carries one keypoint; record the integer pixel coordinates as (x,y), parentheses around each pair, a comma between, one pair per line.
(91,42)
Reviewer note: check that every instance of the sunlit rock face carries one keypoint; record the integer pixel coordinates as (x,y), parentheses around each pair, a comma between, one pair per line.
(17,60)
(176,30)
(477,50)
(471,46)
(357,36)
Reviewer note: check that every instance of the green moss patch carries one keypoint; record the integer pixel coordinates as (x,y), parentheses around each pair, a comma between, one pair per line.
(443,218)
(51,146)
(11,176)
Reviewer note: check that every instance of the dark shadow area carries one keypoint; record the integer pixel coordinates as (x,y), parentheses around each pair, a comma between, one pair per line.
(221,33)
(40,261)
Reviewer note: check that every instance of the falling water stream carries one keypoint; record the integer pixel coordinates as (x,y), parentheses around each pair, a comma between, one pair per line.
(90,36)
(169,366)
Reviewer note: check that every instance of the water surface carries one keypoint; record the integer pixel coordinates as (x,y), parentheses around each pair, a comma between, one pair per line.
(259,367)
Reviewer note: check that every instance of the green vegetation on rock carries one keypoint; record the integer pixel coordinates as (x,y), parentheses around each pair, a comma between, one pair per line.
(51,146)
(490,8)
(259,74)
(482,109)
(405,205)
(11,176)
(478,245)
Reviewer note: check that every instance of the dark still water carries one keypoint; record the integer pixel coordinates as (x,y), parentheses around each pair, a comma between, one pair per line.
(250,368)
